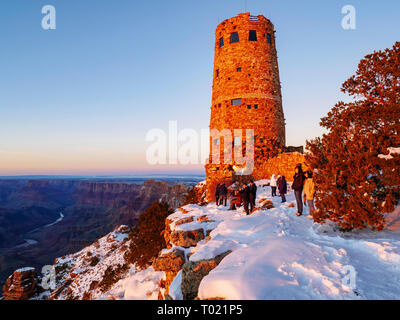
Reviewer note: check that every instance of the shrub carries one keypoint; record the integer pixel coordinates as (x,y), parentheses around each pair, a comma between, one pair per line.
(146,238)
(111,276)
(356,180)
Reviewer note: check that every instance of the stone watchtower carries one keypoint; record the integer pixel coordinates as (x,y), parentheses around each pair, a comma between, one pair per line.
(246,90)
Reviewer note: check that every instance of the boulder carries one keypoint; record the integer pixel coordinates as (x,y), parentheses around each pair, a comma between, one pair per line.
(194,271)
(187,238)
(171,261)
(21,285)
(266,204)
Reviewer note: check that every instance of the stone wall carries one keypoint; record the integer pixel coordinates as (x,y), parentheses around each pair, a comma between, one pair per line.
(283,164)
(247,70)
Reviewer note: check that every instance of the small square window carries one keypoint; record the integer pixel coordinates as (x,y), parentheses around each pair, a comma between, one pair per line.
(236,102)
(252,35)
(221,42)
(239,69)
(269,38)
(234,37)
(248,106)
(256,106)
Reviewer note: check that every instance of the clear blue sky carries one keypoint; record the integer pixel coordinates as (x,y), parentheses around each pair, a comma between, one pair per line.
(80,99)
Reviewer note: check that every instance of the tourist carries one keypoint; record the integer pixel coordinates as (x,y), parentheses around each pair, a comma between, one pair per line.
(309,192)
(277,181)
(253,195)
(235,200)
(223,194)
(217,191)
(282,186)
(273,184)
(297,186)
(245,197)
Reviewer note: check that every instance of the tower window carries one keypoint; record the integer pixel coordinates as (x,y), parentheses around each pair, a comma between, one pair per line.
(269,38)
(234,37)
(256,106)
(239,69)
(253,35)
(236,102)
(248,106)
(217,73)
(221,42)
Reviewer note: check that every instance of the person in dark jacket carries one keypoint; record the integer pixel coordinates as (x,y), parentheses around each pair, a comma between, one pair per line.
(278,180)
(297,186)
(245,196)
(253,195)
(282,186)
(223,194)
(217,192)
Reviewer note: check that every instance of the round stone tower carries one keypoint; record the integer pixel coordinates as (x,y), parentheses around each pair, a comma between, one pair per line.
(246,89)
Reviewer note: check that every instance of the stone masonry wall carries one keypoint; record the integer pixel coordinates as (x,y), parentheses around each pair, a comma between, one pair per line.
(246,69)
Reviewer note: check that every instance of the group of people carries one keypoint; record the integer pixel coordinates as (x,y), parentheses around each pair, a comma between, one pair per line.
(303,184)
(246,196)
(303,187)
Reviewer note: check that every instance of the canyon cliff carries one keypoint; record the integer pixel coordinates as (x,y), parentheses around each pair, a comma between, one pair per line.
(89,209)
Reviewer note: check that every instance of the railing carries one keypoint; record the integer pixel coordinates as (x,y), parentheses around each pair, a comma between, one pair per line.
(253,18)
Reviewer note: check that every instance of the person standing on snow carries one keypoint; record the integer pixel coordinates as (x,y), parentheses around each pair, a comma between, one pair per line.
(297,186)
(245,196)
(253,195)
(309,193)
(273,184)
(282,186)
(217,191)
(278,181)
(223,193)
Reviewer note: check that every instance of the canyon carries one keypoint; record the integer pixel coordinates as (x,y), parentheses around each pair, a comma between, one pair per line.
(41,219)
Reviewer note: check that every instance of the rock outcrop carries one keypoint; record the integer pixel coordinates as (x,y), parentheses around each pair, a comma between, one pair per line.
(171,263)
(187,238)
(21,285)
(183,231)
(194,272)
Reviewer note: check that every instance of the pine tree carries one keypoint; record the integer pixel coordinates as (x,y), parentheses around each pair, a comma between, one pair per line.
(357,181)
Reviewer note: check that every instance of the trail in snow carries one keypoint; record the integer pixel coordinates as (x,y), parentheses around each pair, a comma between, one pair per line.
(277,255)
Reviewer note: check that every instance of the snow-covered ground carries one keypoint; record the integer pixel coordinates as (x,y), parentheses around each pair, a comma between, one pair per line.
(277,255)
(80,275)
